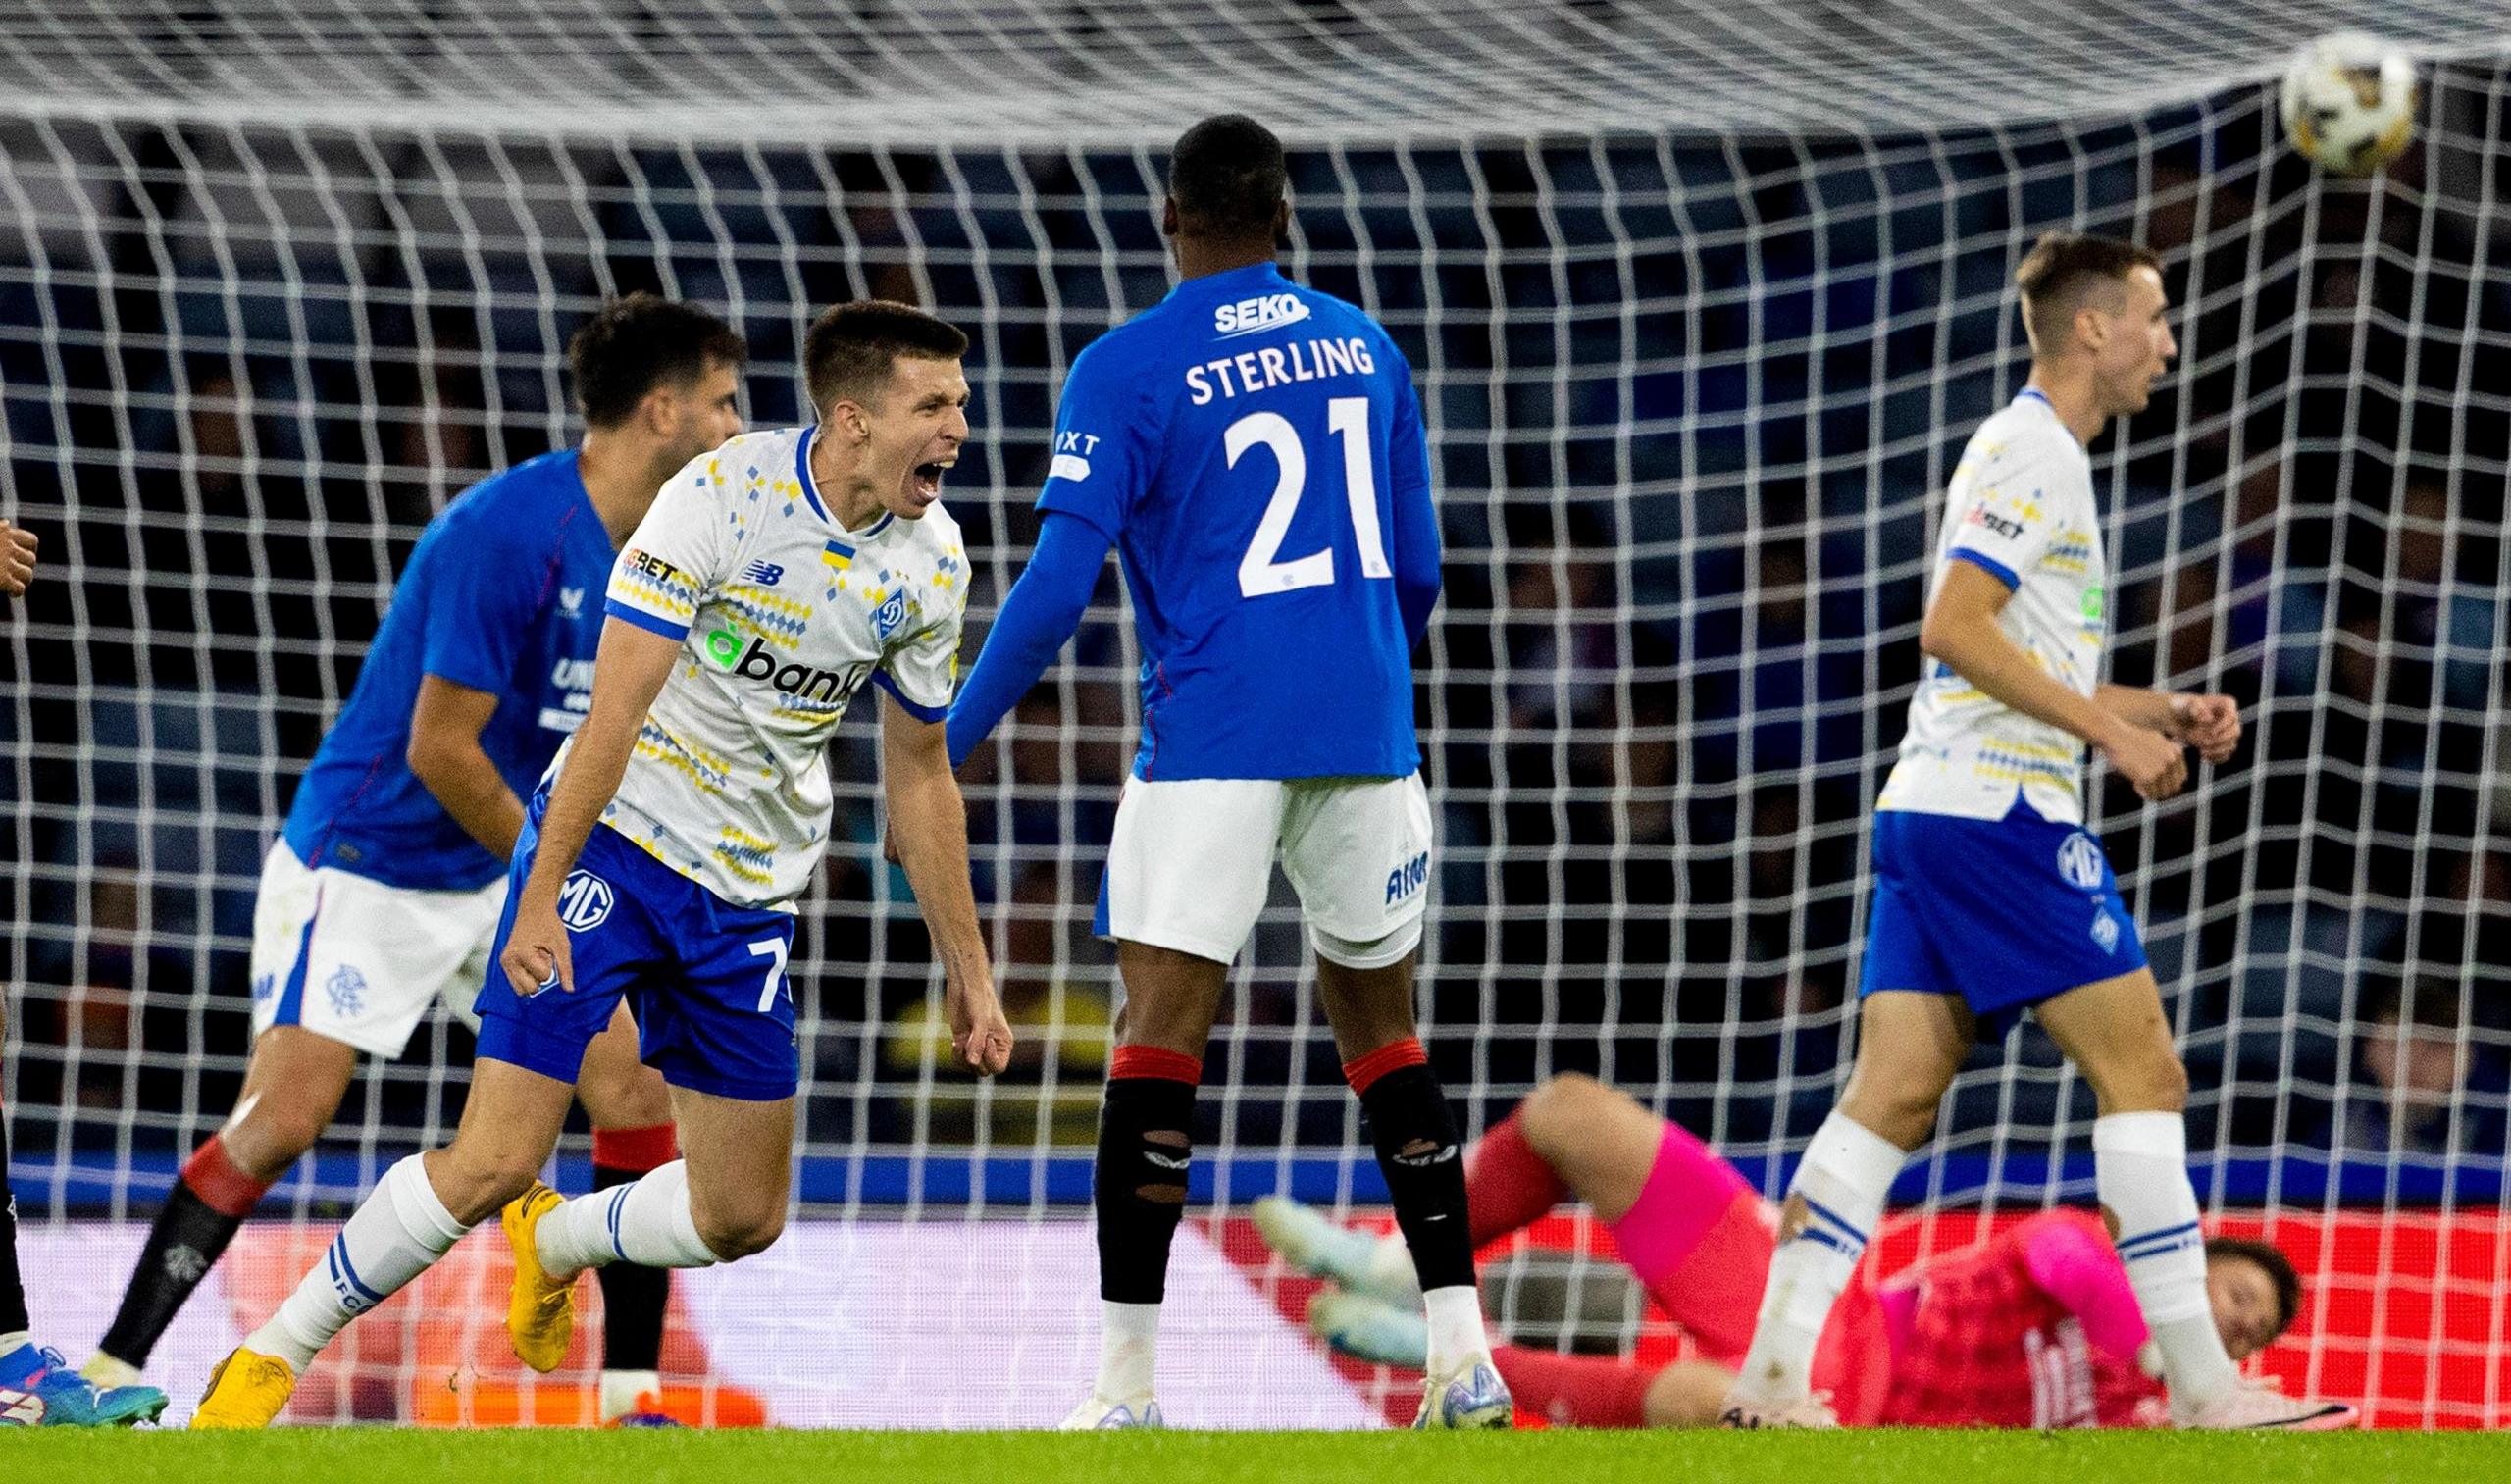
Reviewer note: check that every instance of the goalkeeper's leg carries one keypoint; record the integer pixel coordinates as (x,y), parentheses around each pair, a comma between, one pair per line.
(1691,1228)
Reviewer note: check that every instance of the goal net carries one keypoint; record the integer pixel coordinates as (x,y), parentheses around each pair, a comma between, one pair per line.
(1704,300)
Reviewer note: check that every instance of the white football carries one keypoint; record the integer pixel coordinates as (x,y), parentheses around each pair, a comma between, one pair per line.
(2350,102)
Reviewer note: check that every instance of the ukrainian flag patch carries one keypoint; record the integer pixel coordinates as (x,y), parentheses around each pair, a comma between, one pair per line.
(839,556)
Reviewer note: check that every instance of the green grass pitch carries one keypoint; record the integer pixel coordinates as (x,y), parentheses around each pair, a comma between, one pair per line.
(381,1455)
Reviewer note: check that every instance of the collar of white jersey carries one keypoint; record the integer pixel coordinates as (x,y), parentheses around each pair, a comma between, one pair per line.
(2033,394)
(811,492)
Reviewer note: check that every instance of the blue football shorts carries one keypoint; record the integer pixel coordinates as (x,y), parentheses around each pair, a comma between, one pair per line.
(704,979)
(2005,913)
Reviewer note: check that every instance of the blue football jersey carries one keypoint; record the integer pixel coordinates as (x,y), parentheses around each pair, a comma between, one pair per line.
(1256,449)
(502,594)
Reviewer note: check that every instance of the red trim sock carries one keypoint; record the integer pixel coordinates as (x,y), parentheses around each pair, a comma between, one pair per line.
(636,1151)
(1575,1391)
(1362,1073)
(222,1186)
(1155,1062)
(1507,1186)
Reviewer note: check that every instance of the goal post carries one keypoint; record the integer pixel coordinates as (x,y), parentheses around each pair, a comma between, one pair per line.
(1703,301)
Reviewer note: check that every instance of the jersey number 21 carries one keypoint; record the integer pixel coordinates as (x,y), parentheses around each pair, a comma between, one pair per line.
(1348,419)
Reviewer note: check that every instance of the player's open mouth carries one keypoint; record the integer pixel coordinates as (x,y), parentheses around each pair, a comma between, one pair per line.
(927,478)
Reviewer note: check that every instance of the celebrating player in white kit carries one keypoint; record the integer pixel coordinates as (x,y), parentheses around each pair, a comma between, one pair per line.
(383,890)
(666,847)
(1990,894)
(1254,449)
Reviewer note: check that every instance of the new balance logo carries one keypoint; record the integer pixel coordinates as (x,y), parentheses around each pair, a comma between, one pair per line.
(765,574)
(1248,316)
(1406,879)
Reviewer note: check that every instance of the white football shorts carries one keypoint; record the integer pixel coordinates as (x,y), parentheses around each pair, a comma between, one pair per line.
(1192,862)
(356,961)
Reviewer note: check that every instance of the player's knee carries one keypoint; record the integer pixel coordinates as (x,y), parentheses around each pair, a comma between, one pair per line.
(2153,1084)
(271,1135)
(737,1233)
(476,1183)
(1554,1111)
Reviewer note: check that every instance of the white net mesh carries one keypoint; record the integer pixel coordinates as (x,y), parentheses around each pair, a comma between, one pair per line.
(1704,300)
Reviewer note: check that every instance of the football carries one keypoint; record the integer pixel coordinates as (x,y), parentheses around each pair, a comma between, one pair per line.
(2350,102)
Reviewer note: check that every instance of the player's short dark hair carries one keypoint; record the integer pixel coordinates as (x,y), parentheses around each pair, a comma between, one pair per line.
(1228,177)
(2063,266)
(2277,1267)
(850,349)
(632,345)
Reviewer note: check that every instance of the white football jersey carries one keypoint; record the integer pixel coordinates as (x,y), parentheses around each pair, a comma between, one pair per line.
(783,615)
(2020,506)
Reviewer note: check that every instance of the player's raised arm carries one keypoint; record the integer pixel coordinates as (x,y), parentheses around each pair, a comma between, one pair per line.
(1961,631)
(627,675)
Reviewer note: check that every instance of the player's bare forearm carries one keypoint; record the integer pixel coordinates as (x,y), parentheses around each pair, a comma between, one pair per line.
(1962,629)
(929,826)
(928,822)
(628,673)
(445,756)
(477,798)
(2139,706)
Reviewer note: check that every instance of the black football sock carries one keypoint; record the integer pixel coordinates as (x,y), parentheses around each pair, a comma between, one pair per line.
(1422,1158)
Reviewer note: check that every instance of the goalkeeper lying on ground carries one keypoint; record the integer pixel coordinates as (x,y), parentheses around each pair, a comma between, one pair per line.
(2038,1328)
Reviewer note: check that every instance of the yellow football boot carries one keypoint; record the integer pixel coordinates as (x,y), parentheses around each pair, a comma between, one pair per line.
(246,1391)
(540,1316)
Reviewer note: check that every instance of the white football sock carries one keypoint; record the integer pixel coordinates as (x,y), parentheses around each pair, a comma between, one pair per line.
(1456,1340)
(1128,1350)
(396,1234)
(620,1390)
(2141,1169)
(647,1221)
(1845,1178)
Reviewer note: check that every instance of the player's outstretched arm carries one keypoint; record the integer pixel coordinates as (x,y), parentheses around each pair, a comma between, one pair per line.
(16,558)
(1038,618)
(1962,629)
(628,673)
(929,827)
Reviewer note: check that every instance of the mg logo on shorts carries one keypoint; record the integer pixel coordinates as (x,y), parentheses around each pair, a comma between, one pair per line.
(2080,861)
(584,901)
